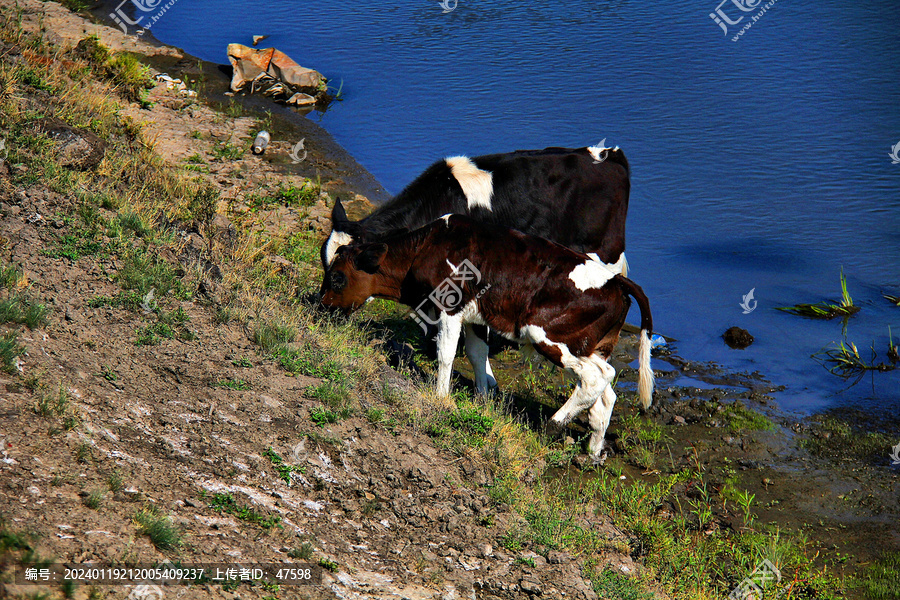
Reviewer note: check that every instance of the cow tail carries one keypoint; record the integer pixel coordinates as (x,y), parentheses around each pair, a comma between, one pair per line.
(645,372)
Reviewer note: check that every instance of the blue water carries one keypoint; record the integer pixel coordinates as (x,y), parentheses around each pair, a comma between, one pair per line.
(761,163)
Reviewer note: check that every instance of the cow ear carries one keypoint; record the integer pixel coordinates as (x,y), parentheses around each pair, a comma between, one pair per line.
(339,220)
(370,258)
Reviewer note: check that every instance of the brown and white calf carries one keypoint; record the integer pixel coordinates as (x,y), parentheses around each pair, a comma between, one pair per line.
(570,307)
(577,197)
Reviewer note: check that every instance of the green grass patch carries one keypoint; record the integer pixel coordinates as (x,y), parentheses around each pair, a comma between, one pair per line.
(163,533)
(225,151)
(322,416)
(272,336)
(153,334)
(127,300)
(312,362)
(304,552)
(142,272)
(75,246)
(94,499)
(21,309)
(130,76)
(53,403)
(740,417)
(286,195)
(881,580)
(10,351)
(225,502)
(233,384)
(610,584)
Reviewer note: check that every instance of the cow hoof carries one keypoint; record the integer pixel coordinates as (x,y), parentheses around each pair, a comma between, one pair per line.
(598,460)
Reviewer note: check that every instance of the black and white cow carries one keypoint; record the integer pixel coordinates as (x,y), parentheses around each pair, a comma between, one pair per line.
(570,307)
(575,197)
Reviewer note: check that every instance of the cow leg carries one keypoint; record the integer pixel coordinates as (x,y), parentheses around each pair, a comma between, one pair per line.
(477,353)
(601,411)
(590,385)
(449,329)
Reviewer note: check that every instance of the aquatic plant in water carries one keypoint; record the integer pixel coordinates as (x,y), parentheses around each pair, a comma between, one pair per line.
(826,309)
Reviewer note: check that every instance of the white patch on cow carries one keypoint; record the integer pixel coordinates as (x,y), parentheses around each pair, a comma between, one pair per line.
(595,378)
(597,152)
(477,184)
(335,241)
(452,266)
(593,273)
(446,219)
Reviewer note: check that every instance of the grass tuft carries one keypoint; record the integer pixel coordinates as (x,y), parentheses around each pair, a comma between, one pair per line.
(163,533)
(225,502)
(826,309)
(845,361)
(10,351)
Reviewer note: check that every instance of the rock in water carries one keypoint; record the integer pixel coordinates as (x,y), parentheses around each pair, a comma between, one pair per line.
(249,64)
(301,99)
(258,38)
(737,338)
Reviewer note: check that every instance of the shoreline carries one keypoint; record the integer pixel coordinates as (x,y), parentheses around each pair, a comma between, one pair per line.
(705,417)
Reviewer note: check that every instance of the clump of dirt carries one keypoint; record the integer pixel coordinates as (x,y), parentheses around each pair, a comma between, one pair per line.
(737,338)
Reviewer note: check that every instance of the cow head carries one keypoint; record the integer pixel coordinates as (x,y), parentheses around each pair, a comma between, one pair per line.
(343,233)
(353,276)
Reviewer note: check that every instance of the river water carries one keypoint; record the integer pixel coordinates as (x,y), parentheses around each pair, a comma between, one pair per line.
(761,163)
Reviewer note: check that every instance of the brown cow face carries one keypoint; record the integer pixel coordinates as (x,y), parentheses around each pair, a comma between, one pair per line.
(353,277)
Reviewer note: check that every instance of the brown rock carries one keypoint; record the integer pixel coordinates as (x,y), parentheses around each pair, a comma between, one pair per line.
(249,64)
(737,338)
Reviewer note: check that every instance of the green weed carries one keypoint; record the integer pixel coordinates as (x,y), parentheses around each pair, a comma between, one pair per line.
(233,384)
(94,499)
(163,533)
(10,351)
(153,334)
(284,471)
(225,502)
(312,362)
